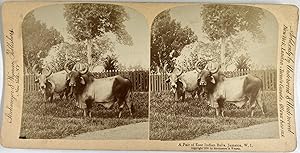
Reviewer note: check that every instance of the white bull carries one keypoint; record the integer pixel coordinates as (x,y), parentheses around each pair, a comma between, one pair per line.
(236,90)
(183,82)
(50,83)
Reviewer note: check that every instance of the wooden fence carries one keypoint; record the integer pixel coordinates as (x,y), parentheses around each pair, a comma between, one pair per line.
(269,78)
(141,82)
(139,79)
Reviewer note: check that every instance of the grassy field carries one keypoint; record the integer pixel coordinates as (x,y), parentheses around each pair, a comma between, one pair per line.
(170,120)
(62,118)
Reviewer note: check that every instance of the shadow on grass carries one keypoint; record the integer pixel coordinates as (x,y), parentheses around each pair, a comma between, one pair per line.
(62,118)
(171,120)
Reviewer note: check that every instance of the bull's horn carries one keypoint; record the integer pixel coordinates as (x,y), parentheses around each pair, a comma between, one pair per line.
(216,69)
(180,70)
(85,70)
(49,72)
(165,69)
(196,66)
(66,67)
(34,70)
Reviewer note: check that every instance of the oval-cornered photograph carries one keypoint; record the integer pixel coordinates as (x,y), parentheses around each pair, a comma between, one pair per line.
(86,73)
(213,73)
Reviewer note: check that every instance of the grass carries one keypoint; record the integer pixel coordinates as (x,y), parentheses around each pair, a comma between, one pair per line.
(171,120)
(62,118)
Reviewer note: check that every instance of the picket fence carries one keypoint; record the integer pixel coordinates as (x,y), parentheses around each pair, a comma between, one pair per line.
(269,78)
(139,79)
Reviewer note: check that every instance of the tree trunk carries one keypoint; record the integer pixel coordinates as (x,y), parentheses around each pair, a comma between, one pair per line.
(223,62)
(89,51)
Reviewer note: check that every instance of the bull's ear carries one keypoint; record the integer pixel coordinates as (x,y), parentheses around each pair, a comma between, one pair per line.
(213,80)
(168,80)
(82,80)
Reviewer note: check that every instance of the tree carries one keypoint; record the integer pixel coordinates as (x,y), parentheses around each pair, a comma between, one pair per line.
(37,40)
(220,22)
(111,62)
(88,21)
(243,62)
(168,38)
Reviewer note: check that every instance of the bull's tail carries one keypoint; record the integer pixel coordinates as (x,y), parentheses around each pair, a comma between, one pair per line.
(129,98)
(259,100)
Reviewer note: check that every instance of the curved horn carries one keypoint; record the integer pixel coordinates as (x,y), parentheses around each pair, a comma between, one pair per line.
(206,67)
(66,67)
(216,69)
(165,69)
(180,70)
(85,70)
(209,60)
(196,66)
(49,72)
(34,70)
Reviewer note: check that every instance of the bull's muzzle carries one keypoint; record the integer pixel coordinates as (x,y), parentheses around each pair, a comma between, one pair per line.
(43,86)
(72,84)
(202,83)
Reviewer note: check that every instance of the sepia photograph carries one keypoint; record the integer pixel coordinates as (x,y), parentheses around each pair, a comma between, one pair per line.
(149,76)
(213,73)
(86,73)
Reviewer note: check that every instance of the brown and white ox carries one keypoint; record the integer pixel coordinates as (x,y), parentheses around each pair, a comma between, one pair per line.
(183,82)
(106,91)
(50,83)
(236,90)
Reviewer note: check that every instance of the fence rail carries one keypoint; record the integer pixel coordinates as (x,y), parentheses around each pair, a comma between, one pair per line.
(268,77)
(139,79)
(142,82)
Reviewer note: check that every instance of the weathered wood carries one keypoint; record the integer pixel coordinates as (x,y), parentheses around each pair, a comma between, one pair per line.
(139,79)
(157,81)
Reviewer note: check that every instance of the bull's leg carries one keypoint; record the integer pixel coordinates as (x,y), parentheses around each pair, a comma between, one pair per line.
(222,112)
(121,110)
(61,96)
(84,112)
(220,102)
(130,107)
(261,105)
(183,96)
(45,97)
(90,114)
(252,102)
(89,104)
(217,112)
(193,95)
(260,102)
(51,98)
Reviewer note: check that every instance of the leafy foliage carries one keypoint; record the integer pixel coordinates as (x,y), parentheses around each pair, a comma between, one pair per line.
(111,62)
(63,52)
(222,21)
(210,50)
(168,38)
(225,22)
(243,62)
(37,40)
(89,20)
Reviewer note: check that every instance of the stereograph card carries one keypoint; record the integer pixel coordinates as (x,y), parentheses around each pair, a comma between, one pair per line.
(149,76)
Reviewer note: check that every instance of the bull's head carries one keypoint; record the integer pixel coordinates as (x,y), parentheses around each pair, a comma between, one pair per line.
(41,76)
(74,76)
(173,77)
(206,75)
